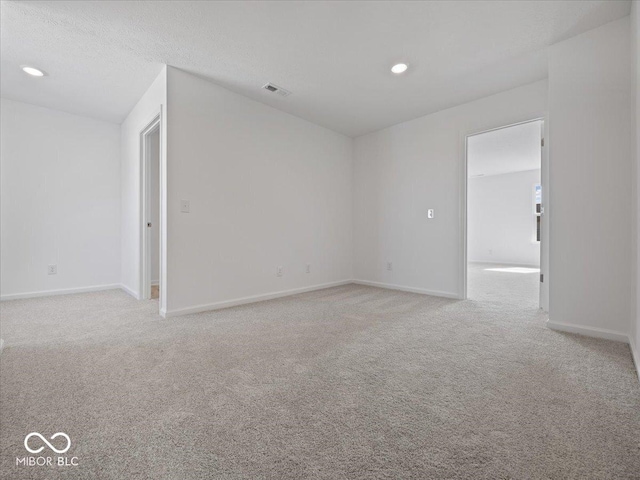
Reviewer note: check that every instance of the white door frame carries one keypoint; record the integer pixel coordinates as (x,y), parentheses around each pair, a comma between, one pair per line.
(544,234)
(145,207)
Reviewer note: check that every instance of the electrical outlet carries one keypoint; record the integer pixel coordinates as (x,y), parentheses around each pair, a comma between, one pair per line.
(52,269)
(184,206)
(389,266)
(430,213)
(308,269)
(279,270)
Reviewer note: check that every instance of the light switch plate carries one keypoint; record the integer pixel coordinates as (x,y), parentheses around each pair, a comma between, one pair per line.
(184,206)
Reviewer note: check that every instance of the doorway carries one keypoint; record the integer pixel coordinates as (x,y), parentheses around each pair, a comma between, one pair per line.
(504,245)
(150,195)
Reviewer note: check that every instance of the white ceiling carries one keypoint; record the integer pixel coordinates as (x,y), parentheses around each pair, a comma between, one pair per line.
(334,56)
(507,150)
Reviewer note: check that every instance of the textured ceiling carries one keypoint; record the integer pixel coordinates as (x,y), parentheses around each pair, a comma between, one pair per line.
(334,56)
(507,150)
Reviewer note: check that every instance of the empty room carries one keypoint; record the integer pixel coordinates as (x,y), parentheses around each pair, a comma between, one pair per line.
(319,239)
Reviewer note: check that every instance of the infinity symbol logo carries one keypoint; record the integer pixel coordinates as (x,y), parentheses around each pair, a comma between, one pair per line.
(55,435)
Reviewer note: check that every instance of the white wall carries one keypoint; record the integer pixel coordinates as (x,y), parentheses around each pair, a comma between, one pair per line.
(590,176)
(502,220)
(154,207)
(635,65)
(403,170)
(265,189)
(60,198)
(150,105)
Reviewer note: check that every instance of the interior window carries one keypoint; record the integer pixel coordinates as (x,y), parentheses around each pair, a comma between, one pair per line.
(538,208)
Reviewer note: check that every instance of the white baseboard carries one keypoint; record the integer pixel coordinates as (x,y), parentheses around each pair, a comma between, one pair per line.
(130,292)
(62,291)
(635,355)
(510,264)
(434,293)
(588,331)
(253,299)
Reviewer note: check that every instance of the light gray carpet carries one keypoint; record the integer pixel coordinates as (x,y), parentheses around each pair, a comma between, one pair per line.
(349,382)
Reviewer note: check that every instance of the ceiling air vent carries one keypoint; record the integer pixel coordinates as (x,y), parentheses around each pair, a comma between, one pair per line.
(276,89)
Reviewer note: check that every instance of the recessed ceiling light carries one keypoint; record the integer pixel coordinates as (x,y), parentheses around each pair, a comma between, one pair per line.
(32,71)
(399,68)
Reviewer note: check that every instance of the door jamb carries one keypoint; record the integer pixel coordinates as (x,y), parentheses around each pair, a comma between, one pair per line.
(145,180)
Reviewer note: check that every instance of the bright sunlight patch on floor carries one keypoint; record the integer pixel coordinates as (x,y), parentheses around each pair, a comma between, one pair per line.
(514,270)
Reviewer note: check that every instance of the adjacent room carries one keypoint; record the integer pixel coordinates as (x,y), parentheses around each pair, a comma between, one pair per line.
(319,240)
(504,214)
